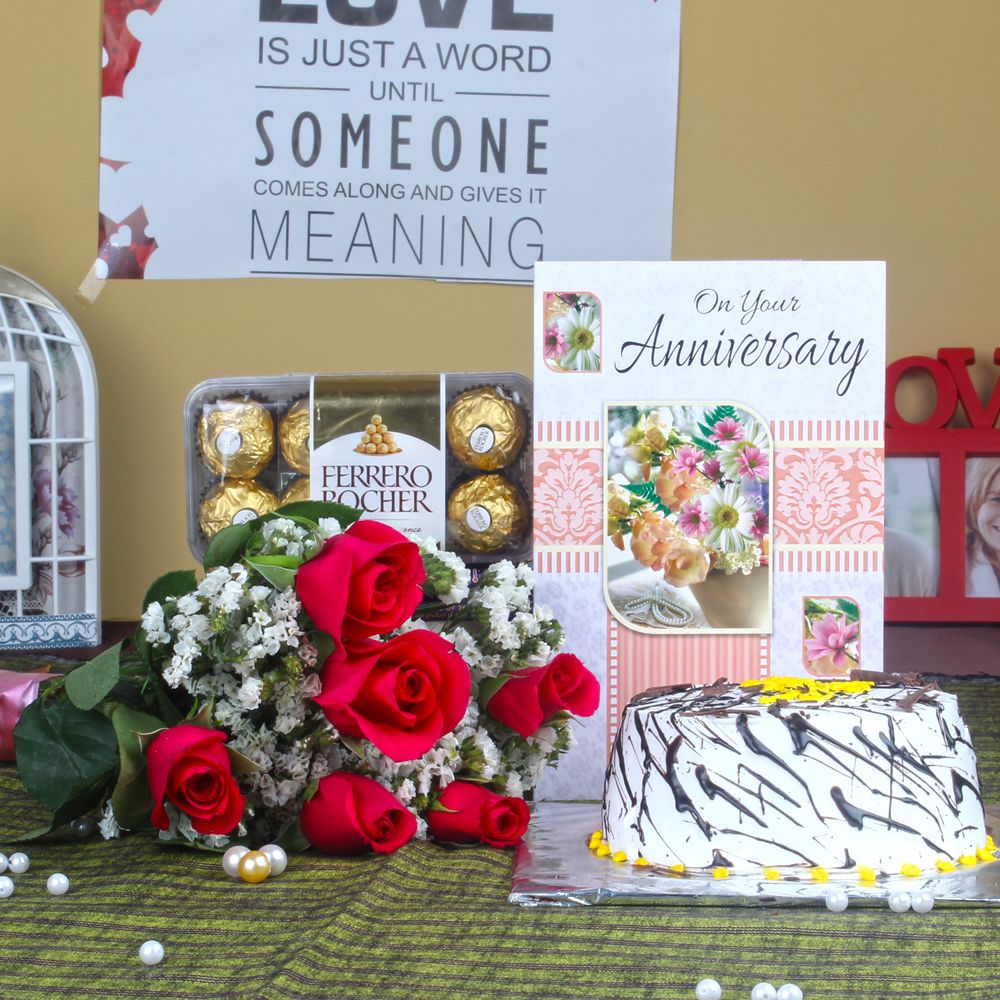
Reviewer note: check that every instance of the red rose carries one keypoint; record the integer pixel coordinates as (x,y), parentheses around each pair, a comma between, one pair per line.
(363,582)
(475,815)
(350,813)
(190,767)
(568,685)
(531,697)
(403,694)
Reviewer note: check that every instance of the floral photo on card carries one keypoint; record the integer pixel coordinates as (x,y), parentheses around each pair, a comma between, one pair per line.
(831,636)
(688,516)
(572,340)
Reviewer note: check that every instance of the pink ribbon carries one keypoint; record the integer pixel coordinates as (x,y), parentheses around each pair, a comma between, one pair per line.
(17,691)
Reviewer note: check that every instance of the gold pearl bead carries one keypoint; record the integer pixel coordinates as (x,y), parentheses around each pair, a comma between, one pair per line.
(376,419)
(254,867)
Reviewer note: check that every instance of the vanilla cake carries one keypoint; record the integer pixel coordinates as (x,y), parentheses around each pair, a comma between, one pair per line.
(794,772)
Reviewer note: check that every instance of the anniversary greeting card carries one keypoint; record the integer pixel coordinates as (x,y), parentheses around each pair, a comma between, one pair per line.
(708,463)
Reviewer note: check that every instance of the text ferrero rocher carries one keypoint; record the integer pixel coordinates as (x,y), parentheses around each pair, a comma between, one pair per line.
(236,437)
(485,429)
(487,513)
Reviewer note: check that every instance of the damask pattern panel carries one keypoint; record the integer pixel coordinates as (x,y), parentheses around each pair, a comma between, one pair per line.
(568,499)
(828,496)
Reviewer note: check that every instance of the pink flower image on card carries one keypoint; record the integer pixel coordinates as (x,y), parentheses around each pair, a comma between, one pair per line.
(831,629)
(571,339)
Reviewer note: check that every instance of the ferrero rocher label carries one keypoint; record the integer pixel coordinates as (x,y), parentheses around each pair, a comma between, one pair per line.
(293,433)
(487,514)
(234,501)
(379,446)
(236,437)
(296,490)
(485,429)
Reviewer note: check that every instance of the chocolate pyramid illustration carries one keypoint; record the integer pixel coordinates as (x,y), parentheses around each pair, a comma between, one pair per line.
(377,439)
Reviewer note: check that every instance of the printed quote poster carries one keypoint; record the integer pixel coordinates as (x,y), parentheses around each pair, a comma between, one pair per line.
(438,139)
(708,452)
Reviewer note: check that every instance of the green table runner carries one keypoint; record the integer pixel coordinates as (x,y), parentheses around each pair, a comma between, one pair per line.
(433,922)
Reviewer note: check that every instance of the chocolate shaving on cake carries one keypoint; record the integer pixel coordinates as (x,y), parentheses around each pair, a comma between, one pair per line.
(776,706)
(716,689)
(658,692)
(907,704)
(887,680)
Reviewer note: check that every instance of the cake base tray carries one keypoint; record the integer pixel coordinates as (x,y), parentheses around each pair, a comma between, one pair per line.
(554,867)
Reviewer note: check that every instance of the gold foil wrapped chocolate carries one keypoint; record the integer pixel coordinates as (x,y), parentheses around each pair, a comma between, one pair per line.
(296,490)
(377,439)
(234,501)
(487,514)
(236,437)
(293,434)
(485,429)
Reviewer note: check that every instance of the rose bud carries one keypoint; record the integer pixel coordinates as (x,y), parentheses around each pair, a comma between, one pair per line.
(351,813)
(473,814)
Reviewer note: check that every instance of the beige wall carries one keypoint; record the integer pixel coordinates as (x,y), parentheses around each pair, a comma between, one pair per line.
(858,129)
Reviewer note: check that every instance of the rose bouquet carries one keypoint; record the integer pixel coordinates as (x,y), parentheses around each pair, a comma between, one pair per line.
(291,695)
(690,501)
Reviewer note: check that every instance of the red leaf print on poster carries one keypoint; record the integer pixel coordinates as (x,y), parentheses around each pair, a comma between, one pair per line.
(121,46)
(124,246)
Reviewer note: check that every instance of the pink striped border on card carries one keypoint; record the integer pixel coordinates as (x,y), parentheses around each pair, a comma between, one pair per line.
(638,660)
(786,433)
(578,560)
(568,434)
(796,559)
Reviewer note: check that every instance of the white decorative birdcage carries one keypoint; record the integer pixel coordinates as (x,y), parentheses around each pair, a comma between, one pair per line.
(49,567)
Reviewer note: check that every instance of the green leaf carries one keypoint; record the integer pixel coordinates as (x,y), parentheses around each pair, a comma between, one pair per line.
(280,577)
(313,510)
(490,686)
(65,756)
(354,745)
(436,807)
(242,765)
(646,493)
(292,839)
(324,644)
(88,685)
(69,811)
(173,584)
(228,545)
(130,798)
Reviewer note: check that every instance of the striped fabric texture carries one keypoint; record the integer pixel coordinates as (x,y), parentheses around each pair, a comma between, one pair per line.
(434,922)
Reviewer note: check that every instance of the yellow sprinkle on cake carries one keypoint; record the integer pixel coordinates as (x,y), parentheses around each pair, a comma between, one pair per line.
(619,856)
(866,874)
(679,869)
(944,865)
(772,874)
(910,871)
(720,872)
(819,874)
(640,862)
(603,850)
(804,689)
(968,859)
(984,854)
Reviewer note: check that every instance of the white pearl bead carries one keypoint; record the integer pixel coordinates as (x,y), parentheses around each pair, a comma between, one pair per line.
(837,900)
(3,863)
(151,952)
(708,989)
(763,991)
(899,902)
(6,886)
(789,992)
(277,856)
(57,884)
(922,902)
(231,860)
(19,863)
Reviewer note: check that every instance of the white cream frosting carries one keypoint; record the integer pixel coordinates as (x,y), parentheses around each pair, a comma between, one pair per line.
(709,777)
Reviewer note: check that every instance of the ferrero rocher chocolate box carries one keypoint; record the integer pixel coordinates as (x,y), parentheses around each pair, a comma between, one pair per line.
(444,455)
